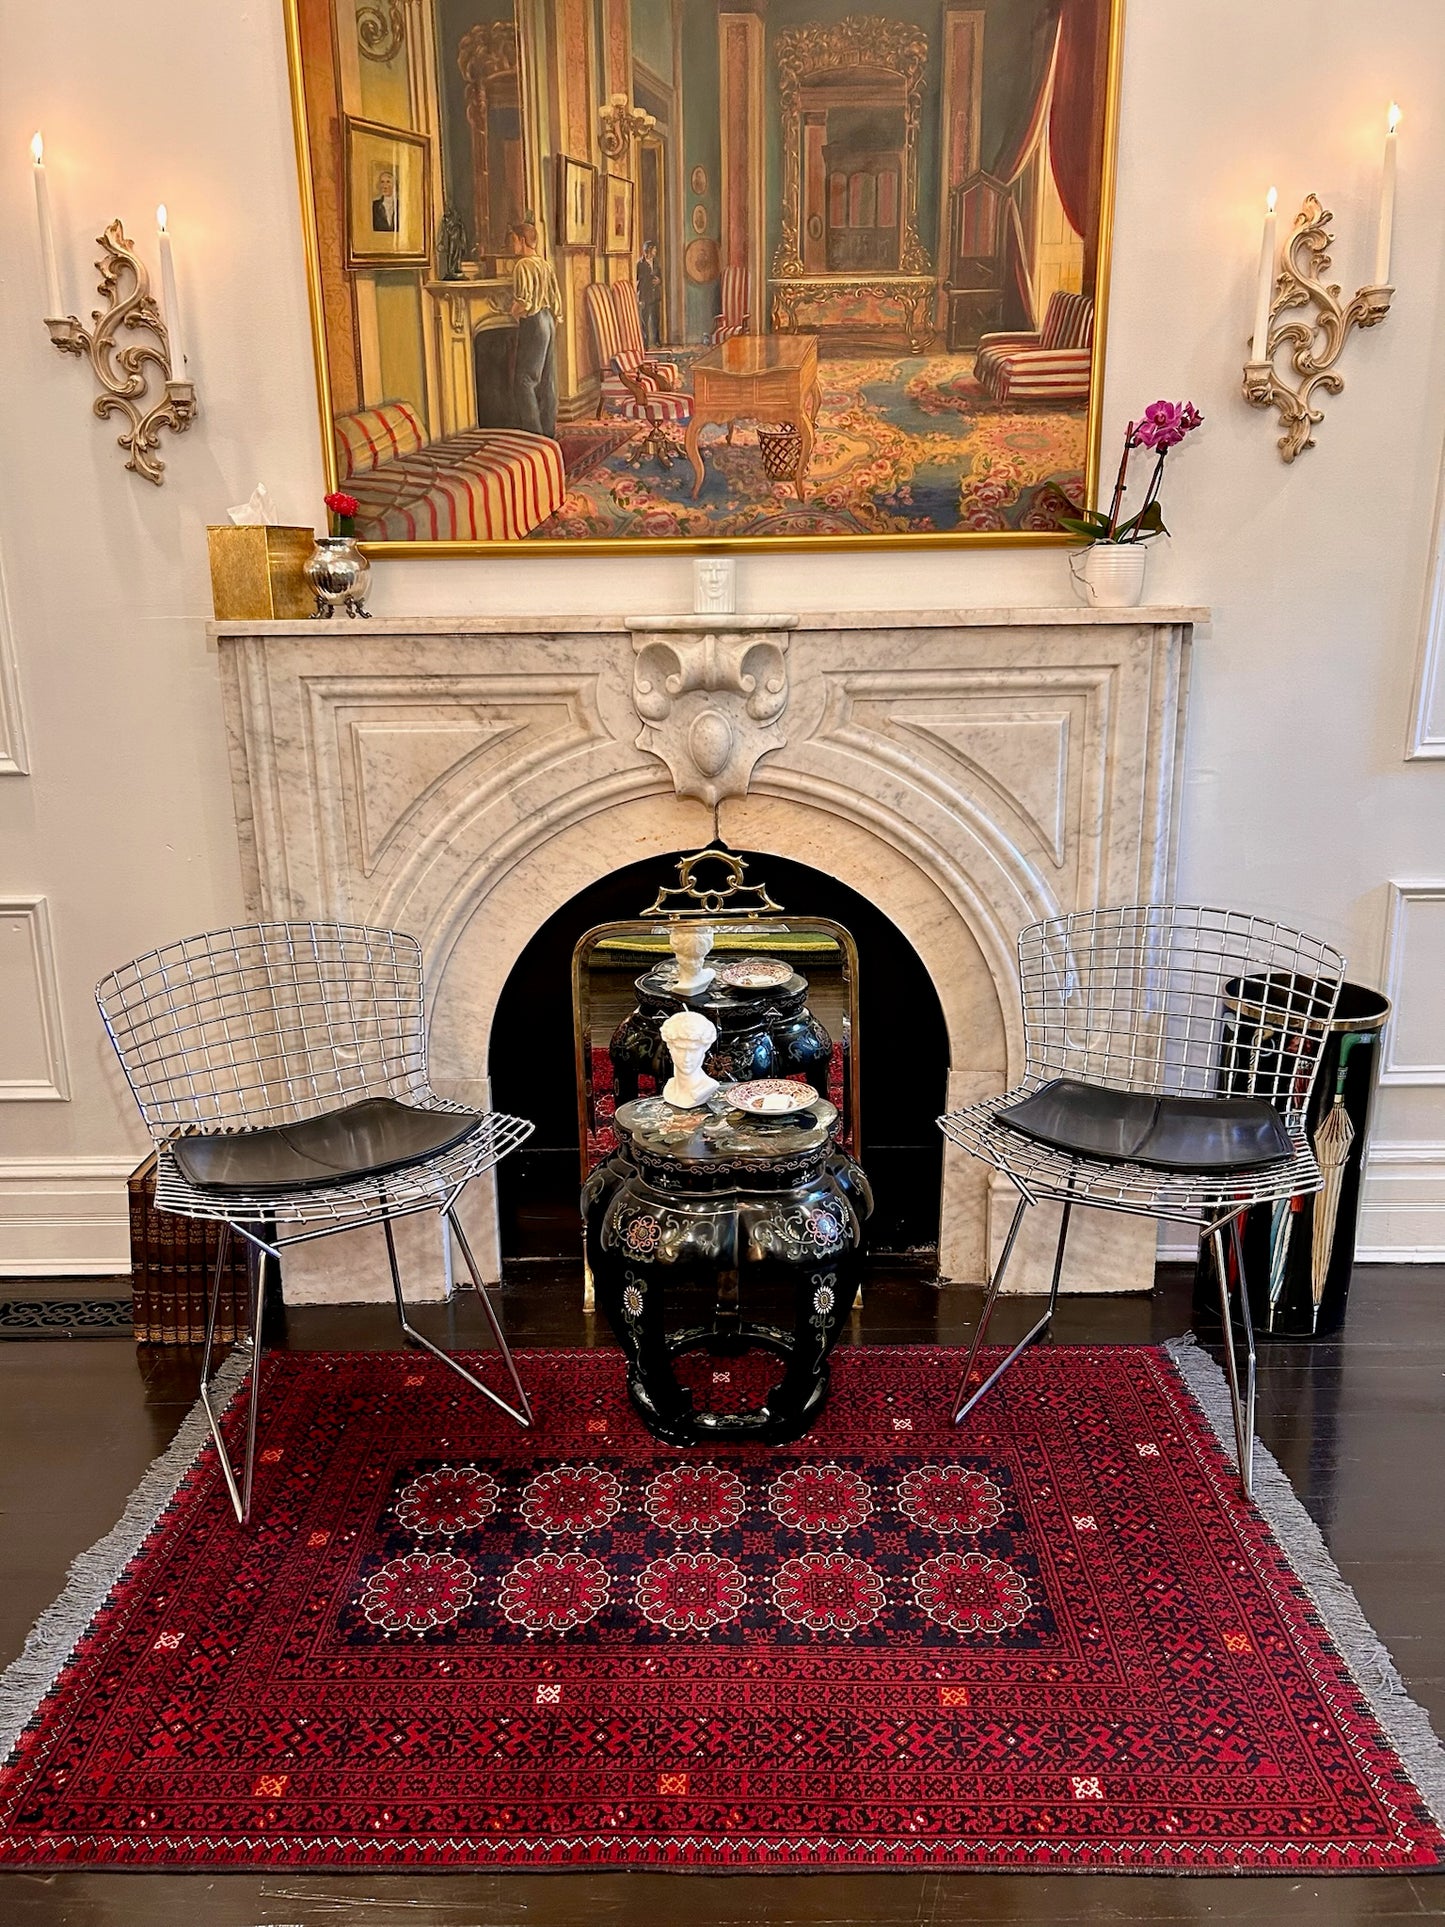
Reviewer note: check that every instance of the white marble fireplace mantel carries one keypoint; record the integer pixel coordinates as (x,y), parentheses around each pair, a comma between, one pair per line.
(462,778)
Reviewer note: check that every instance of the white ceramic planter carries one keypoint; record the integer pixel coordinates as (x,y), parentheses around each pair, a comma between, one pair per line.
(1110,575)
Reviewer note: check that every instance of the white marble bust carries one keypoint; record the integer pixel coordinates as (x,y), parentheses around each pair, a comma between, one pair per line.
(688,1036)
(691,943)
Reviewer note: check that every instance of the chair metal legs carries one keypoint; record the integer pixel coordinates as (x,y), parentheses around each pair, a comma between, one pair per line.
(240,1495)
(1242,1394)
(963,1403)
(522,1411)
(240,1491)
(1243,1406)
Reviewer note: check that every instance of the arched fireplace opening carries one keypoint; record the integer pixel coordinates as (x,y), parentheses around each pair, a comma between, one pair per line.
(902,1063)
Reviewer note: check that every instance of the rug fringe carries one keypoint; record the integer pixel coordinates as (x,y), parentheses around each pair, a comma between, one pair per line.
(94,1573)
(1404,1721)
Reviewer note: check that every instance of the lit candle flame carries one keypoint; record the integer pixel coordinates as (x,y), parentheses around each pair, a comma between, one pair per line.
(1270,199)
(37,150)
(1394,119)
(161,217)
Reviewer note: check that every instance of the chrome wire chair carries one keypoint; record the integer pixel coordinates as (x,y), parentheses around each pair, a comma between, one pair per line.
(281,1070)
(1126,1011)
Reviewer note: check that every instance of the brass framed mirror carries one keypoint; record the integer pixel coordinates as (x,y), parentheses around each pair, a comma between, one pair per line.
(781,990)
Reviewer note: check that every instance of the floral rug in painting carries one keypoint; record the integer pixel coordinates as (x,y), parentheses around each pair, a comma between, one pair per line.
(906,444)
(1055,1638)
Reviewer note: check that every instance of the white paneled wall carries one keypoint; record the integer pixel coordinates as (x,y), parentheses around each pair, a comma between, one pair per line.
(1299,796)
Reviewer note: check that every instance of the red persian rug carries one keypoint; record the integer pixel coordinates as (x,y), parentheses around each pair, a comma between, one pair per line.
(1054,1638)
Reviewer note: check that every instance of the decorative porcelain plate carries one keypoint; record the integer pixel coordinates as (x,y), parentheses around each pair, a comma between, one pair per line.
(754,973)
(771,1096)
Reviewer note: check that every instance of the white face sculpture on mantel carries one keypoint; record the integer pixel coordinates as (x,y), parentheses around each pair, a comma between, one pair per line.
(714,590)
(688,1036)
(691,943)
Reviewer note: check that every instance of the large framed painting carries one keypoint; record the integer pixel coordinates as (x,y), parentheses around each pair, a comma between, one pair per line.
(610,275)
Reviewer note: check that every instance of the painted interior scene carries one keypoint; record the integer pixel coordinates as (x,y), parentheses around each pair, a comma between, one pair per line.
(661,270)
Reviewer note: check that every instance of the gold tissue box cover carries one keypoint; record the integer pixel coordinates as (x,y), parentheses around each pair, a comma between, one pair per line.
(256,573)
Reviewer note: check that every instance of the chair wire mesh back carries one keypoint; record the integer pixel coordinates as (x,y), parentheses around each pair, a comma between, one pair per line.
(1178,1001)
(267,1024)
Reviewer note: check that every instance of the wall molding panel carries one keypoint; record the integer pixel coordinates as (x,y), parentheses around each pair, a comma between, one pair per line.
(1414,982)
(31,1034)
(64,1217)
(1427,708)
(14,756)
(1402,1207)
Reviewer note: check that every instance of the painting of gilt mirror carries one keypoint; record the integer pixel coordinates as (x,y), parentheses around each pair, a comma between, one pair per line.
(602,275)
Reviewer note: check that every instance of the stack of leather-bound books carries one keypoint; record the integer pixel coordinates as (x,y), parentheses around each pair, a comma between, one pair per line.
(172,1262)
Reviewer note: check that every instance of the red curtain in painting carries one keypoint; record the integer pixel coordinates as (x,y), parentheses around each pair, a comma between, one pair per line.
(1020,140)
(1074,115)
(1022,137)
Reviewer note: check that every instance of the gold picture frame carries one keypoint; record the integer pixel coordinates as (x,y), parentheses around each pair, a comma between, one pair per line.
(615,215)
(991,494)
(388,196)
(576,202)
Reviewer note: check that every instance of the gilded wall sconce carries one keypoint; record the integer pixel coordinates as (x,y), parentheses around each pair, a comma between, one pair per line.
(125,371)
(619,124)
(1314,342)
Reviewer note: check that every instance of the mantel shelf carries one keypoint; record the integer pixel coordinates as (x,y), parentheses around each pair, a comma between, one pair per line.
(1014,617)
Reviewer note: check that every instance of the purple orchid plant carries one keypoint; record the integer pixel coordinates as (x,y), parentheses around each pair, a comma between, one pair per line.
(1163,426)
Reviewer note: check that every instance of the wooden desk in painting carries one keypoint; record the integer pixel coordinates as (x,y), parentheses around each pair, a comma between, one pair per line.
(766,378)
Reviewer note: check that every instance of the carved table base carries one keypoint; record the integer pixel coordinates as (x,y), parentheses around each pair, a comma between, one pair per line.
(915,295)
(714,1201)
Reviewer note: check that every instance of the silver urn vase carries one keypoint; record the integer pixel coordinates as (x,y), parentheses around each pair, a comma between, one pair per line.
(339,575)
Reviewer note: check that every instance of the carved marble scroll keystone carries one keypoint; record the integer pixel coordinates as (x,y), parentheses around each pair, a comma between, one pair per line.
(709,693)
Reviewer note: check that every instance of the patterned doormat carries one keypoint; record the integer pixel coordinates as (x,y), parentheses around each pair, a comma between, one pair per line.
(1054,1638)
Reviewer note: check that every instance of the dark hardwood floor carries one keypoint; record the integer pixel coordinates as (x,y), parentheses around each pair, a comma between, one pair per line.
(1358,1423)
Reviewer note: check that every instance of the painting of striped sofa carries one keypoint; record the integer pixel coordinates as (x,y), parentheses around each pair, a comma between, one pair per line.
(480,485)
(1050,364)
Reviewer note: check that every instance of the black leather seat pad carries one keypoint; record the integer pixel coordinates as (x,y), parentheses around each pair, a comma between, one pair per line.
(378,1134)
(1166,1133)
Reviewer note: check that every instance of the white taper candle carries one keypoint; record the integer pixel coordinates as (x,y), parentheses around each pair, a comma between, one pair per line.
(1385,226)
(54,306)
(170,305)
(1264,291)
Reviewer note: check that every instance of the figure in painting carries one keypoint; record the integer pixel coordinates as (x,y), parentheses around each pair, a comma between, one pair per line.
(649,295)
(536,308)
(383,203)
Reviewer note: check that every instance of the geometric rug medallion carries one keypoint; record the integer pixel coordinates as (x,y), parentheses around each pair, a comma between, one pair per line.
(1053,1638)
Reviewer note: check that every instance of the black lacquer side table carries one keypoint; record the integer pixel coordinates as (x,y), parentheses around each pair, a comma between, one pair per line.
(732,1203)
